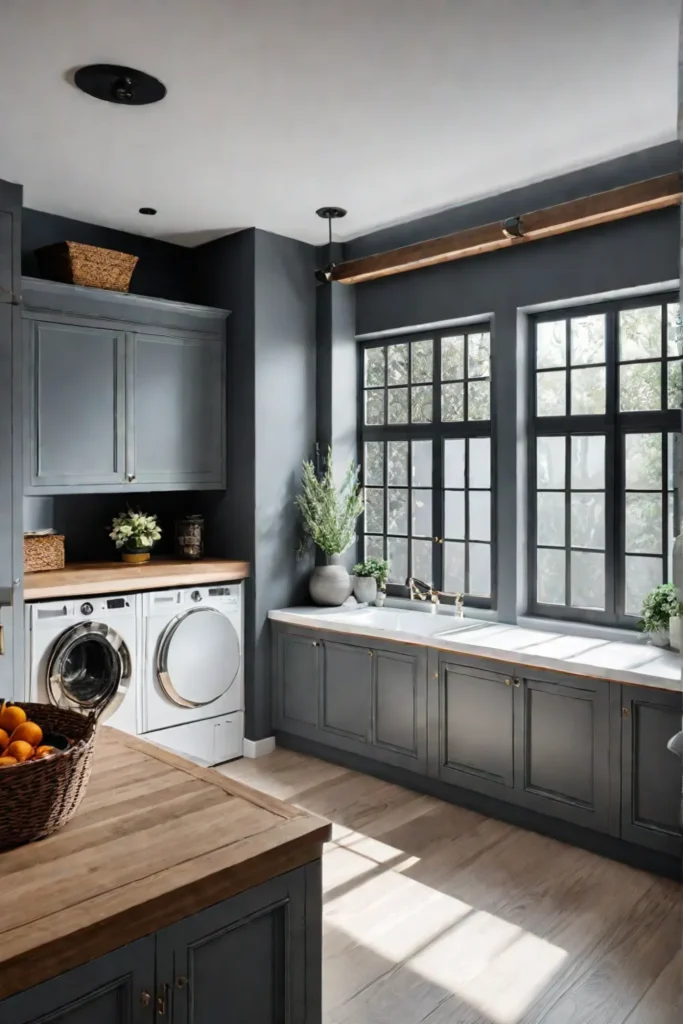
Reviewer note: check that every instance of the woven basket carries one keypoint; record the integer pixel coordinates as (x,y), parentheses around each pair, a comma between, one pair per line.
(39,797)
(43,552)
(77,263)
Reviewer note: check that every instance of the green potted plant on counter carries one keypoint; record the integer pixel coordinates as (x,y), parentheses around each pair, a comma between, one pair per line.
(135,533)
(661,615)
(328,516)
(369,578)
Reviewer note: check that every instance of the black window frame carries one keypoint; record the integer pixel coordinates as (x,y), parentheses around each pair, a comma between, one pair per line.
(438,433)
(614,426)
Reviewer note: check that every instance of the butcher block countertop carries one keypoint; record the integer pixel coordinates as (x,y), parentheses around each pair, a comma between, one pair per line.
(89,578)
(156,839)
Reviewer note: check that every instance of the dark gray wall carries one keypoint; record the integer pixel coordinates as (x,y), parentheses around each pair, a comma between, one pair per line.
(267,281)
(641,251)
(163,269)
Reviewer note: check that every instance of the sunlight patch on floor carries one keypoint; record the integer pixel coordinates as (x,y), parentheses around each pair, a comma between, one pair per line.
(493,965)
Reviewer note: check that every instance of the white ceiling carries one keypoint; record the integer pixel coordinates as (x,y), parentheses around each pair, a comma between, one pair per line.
(391,108)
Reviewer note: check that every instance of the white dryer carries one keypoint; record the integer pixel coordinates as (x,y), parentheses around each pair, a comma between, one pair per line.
(192,695)
(82,654)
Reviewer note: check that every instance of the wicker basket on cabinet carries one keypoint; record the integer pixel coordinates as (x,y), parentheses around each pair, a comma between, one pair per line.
(89,265)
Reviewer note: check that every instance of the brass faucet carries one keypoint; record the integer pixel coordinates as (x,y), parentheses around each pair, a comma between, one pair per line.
(421,591)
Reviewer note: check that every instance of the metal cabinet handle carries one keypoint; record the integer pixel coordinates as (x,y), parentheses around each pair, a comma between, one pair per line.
(314,643)
(625,713)
(182,981)
(508,682)
(161,1001)
(145,998)
(516,683)
(131,478)
(369,654)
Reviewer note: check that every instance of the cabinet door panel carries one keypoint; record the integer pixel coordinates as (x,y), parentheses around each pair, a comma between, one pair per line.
(75,405)
(243,960)
(297,682)
(176,421)
(347,690)
(400,708)
(651,774)
(562,750)
(105,991)
(477,726)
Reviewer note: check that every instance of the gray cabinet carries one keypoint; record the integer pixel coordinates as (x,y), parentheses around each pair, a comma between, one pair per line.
(474,744)
(347,690)
(562,739)
(243,960)
(650,774)
(75,397)
(123,393)
(252,959)
(175,421)
(115,989)
(367,697)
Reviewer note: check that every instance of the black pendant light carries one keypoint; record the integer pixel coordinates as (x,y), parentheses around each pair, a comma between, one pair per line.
(328,213)
(117,84)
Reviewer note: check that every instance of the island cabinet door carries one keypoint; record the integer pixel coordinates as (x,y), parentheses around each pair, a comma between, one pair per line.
(650,773)
(562,744)
(115,989)
(296,681)
(243,961)
(475,747)
(347,694)
(399,706)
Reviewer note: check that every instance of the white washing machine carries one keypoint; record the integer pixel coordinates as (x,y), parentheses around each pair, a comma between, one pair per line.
(82,654)
(191,699)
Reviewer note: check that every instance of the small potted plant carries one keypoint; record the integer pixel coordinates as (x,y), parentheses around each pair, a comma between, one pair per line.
(661,614)
(328,517)
(135,533)
(369,577)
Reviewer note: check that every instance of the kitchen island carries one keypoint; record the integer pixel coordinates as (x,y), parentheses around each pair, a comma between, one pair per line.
(173,895)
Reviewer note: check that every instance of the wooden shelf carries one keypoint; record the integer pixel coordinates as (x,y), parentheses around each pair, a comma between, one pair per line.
(89,578)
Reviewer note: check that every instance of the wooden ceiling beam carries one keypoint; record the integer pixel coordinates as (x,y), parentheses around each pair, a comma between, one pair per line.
(601,208)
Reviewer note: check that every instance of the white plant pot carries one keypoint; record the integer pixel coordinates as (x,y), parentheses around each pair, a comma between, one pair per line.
(658,638)
(365,589)
(330,584)
(380,599)
(675,632)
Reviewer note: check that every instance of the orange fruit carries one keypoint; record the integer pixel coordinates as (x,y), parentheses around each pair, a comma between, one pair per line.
(28,731)
(20,749)
(11,716)
(6,762)
(4,739)
(44,751)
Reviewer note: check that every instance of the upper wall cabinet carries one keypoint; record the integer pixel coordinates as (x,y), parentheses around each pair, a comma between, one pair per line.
(122,393)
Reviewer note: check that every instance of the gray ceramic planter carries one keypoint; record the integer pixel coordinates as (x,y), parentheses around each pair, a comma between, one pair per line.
(365,589)
(330,584)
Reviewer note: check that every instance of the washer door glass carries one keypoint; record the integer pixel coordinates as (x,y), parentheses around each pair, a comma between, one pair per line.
(198,657)
(87,669)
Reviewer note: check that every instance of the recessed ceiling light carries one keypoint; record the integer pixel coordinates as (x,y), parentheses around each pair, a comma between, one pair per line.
(148,211)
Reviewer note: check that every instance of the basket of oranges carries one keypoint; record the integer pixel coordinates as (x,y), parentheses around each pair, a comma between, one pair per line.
(45,761)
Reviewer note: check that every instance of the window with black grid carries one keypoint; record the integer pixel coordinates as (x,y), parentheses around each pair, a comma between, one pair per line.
(425,414)
(605,398)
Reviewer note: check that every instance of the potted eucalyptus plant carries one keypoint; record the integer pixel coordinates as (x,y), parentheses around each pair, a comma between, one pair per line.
(134,533)
(661,615)
(369,577)
(328,516)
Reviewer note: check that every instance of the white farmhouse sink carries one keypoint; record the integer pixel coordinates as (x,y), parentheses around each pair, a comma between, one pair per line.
(399,620)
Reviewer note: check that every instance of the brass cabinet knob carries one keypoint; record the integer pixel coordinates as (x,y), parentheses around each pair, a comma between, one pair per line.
(182,981)
(131,478)
(508,682)
(625,713)
(517,683)
(369,654)
(145,998)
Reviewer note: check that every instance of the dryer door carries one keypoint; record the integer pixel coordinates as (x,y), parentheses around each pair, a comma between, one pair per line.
(198,657)
(89,669)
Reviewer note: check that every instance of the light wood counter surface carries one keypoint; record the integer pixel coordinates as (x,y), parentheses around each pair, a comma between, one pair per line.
(89,578)
(157,838)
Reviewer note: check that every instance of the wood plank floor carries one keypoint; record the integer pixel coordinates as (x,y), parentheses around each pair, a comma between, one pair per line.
(437,915)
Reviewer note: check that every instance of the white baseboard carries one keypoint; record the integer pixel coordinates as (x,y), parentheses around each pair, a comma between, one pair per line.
(258,748)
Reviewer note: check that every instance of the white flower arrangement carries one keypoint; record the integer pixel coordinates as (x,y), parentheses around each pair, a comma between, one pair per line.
(134,530)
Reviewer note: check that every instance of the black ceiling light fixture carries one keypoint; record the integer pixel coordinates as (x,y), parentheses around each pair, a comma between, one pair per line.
(148,211)
(117,84)
(328,213)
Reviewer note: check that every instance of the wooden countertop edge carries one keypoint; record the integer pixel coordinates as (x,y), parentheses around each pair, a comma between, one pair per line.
(115,578)
(36,963)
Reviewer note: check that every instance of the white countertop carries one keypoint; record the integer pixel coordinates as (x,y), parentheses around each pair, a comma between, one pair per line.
(618,661)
